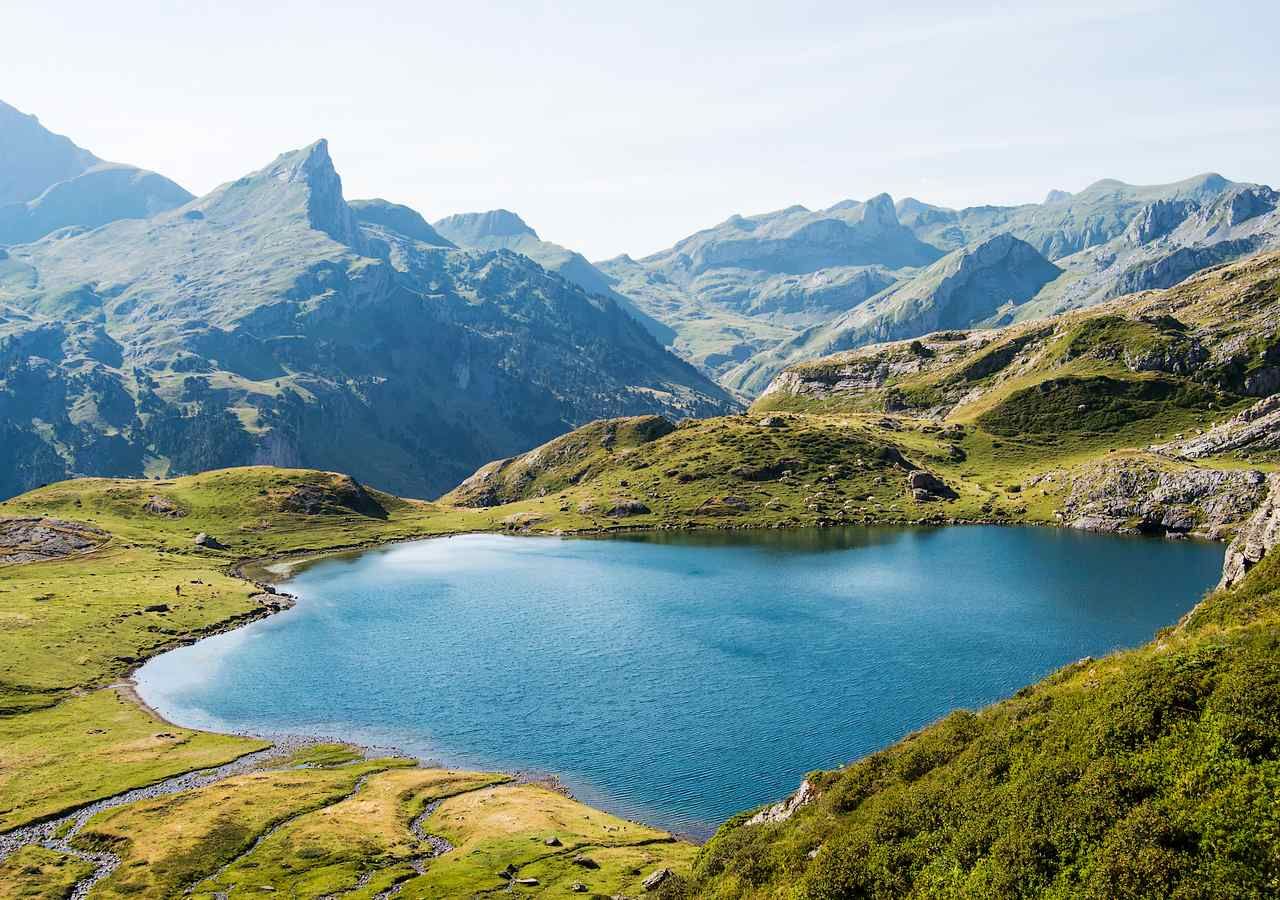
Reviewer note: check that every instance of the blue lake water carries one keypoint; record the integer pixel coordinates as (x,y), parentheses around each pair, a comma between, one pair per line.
(676,679)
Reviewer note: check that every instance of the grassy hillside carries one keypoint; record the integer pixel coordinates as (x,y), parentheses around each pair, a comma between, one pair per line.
(1029,423)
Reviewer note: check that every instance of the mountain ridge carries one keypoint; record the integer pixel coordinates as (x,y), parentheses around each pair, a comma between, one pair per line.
(263,323)
(47,183)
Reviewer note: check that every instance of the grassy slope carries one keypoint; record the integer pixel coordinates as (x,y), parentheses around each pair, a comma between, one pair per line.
(985,411)
(76,626)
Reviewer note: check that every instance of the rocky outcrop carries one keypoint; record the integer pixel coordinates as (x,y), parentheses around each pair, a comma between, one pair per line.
(341,496)
(38,538)
(1140,497)
(1255,539)
(785,809)
(560,462)
(1256,430)
(622,508)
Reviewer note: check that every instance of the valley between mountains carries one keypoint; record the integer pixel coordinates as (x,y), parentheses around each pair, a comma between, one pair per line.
(194,389)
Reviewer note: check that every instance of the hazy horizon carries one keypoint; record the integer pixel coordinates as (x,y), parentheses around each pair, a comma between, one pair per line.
(621,136)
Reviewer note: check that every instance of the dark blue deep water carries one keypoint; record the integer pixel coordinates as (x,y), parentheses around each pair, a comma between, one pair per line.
(676,679)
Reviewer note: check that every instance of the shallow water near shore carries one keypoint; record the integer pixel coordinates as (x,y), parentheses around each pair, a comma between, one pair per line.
(675,678)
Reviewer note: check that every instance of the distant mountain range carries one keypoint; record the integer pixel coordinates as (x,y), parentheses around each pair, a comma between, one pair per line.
(752,294)
(143,330)
(270,321)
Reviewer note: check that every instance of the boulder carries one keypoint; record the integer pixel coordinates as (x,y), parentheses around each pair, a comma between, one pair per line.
(585,862)
(925,485)
(655,879)
(209,542)
(578,887)
(623,508)
(552,841)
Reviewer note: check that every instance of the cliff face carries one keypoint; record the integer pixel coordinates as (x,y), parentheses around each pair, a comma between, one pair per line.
(1259,534)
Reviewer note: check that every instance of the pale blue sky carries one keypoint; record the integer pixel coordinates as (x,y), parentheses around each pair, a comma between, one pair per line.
(622,127)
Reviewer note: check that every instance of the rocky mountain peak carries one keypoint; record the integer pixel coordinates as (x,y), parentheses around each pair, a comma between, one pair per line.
(467,228)
(313,168)
(879,211)
(32,158)
(1056,196)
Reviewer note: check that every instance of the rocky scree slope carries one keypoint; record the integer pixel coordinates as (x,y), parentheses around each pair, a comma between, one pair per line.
(272,322)
(47,183)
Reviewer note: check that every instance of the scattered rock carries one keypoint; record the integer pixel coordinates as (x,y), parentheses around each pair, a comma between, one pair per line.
(163,506)
(655,879)
(527,882)
(1255,430)
(585,861)
(552,841)
(772,422)
(273,601)
(209,542)
(578,887)
(36,538)
(521,521)
(156,608)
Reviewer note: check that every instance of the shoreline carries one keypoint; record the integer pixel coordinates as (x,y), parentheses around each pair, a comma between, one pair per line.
(257,571)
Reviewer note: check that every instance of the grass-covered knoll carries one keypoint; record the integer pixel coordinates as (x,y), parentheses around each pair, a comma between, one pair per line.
(729,471)
(168,844)
(1149,773)
(252,511)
